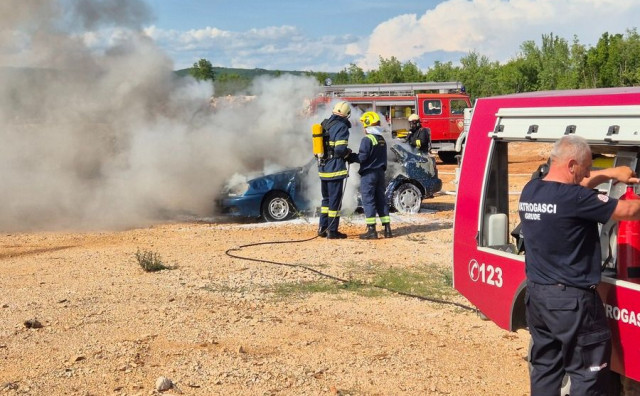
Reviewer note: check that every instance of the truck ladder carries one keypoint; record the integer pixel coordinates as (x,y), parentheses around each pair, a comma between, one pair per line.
(399,89)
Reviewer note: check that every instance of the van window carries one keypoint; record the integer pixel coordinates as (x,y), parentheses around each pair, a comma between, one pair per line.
(458,106)
(511,166)
(432,107)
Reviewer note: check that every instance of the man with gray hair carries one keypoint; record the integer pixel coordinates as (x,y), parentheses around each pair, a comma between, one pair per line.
(560,215)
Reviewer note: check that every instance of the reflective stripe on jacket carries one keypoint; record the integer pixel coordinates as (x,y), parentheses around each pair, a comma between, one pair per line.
(372,154)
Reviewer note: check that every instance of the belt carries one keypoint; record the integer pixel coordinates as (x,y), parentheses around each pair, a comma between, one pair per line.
(588,288)
(591,288)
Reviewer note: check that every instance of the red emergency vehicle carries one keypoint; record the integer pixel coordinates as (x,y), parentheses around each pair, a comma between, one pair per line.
(440,106)
(488,268)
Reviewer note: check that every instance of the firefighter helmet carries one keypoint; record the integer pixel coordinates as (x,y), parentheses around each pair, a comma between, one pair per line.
(413,117)
(342,109)
(370,118)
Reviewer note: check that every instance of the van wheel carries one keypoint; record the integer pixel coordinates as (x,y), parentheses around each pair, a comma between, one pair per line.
(407,198)
(448,157)
(277,207)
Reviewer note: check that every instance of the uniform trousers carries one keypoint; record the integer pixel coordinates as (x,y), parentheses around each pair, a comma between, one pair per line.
(570,335)
(331,202)
(372,187)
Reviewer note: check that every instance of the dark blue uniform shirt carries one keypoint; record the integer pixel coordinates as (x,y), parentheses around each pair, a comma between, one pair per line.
(335,168)
(372,154)
(560,229)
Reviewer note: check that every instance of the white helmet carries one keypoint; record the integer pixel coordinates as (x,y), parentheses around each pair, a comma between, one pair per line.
(342,109)
(413,117)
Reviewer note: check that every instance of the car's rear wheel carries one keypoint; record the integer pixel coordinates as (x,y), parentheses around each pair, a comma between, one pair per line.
(407,198)
(277,206)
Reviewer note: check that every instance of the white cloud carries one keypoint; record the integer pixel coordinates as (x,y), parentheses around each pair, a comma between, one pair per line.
(495,28)
(275,47)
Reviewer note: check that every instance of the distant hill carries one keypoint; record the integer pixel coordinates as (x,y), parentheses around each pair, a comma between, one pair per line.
(243,73)
(232,81)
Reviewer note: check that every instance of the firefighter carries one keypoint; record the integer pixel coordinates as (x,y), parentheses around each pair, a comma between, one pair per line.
(419,137)
(565,315)
(372,157)
(333,170)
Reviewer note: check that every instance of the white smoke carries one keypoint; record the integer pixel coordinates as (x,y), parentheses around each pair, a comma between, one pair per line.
(109,137)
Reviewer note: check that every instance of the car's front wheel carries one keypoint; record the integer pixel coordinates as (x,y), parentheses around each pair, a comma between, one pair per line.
(407,198)
(277,206)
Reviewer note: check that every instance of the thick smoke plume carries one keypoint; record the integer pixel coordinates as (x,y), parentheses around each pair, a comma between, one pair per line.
(108,137)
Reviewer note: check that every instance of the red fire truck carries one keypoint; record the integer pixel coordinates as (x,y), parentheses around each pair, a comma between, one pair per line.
(440,106)
(488,268)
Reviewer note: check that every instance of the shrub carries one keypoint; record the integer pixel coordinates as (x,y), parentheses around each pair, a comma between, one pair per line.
(150,261)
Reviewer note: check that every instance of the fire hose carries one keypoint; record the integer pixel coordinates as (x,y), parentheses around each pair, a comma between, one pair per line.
(229,252)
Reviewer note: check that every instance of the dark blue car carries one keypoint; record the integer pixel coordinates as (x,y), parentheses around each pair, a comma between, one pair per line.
(280,196)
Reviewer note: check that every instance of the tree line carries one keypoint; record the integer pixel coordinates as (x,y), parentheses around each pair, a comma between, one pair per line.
(614,61)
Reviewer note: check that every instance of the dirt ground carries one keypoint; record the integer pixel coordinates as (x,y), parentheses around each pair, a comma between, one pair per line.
(217,325)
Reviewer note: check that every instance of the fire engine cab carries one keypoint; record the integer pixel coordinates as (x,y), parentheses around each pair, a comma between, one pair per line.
(440,106)
(488,264)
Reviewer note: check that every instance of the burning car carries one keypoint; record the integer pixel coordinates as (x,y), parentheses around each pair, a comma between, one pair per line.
(274,197)
(281,195)
(414,180)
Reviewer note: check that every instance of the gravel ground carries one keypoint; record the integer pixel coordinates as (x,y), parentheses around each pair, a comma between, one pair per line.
(78,315)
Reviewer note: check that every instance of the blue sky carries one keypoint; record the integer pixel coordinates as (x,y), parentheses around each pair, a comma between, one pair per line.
(319,36)
(277,27)
(317,18)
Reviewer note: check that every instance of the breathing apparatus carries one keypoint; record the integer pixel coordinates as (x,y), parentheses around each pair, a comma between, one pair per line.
(317,138)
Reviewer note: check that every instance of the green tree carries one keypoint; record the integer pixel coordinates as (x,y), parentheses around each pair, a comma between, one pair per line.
(630,59)
(603,62)
(321,77)
(411,73)
(356,74)
(342,77)
(479,75)
(530,66)
(443,72)
(578,62)
(351,75)
(389,71)
(230,84)
(510,78)
(202,70)
(555,64)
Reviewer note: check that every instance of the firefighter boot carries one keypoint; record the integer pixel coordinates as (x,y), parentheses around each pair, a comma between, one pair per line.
(322,232)
(387,231)
(336,235)
(371,232)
